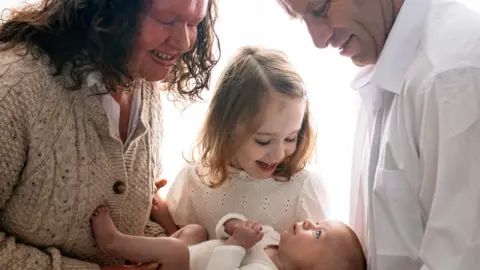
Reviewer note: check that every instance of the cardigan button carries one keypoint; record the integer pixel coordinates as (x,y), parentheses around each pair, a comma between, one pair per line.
(119,187)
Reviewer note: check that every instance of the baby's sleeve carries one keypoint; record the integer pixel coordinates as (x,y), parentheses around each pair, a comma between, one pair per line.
(178,198)
(231,258)
(312,200)
(220,228)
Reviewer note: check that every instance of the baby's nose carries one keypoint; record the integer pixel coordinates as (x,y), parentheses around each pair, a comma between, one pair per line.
(307,224)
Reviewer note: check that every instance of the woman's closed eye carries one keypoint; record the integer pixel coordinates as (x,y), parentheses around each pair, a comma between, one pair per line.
(194,24)
(164,20)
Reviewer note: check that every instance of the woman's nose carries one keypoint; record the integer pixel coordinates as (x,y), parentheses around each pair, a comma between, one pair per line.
(182,38)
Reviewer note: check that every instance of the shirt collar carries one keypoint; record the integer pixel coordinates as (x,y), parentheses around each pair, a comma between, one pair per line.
(399,51)
(95,82)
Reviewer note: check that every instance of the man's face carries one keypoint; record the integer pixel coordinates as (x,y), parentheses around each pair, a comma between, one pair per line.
(358,28)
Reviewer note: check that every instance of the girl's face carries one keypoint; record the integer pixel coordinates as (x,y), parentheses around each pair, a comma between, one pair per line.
(275,140)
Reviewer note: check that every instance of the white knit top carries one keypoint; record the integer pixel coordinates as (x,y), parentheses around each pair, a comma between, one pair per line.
(269,202)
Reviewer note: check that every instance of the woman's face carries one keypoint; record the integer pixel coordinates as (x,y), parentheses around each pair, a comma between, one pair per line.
(168,29)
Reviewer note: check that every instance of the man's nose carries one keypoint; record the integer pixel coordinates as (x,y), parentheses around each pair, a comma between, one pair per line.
(320,33)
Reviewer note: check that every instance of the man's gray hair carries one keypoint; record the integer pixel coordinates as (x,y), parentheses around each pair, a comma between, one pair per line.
(287,8)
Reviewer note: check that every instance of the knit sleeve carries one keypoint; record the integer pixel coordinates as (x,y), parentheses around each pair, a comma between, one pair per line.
(16,105)
(179,200)
(312,201)
(153,229)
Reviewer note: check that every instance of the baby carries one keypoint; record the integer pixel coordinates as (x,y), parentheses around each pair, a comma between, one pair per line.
(306,245)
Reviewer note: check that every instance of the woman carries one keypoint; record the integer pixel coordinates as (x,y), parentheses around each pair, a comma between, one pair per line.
(81,121)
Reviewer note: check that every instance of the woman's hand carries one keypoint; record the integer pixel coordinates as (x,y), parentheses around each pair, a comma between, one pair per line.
(147,266)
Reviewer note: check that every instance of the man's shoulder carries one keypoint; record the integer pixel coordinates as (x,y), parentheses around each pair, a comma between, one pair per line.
(450,42)
(451,37)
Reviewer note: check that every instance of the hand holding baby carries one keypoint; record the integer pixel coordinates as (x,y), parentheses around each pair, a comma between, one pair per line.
(246,235)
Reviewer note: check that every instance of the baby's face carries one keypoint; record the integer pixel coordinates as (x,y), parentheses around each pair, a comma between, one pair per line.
(309,243)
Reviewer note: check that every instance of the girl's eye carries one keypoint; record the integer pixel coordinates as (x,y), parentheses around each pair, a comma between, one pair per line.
(291,140)
(262,143)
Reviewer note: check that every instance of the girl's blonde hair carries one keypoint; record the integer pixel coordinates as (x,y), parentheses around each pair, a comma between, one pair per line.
(233,116)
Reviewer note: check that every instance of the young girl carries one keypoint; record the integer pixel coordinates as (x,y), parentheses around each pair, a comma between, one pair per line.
(253,149)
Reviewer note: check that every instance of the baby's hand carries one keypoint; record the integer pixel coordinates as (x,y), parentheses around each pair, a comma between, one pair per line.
(246,236)
(159,205)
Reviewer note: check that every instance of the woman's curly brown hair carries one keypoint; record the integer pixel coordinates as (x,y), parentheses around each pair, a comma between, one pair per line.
(81,36)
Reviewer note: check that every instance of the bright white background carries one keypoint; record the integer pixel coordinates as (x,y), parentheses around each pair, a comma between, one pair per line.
(327,75)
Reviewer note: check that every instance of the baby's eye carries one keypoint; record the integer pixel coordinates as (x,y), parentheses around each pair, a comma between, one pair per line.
(318,234)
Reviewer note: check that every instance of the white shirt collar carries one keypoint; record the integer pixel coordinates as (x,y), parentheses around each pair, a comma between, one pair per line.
(95,82)
(112,108)
(399,51)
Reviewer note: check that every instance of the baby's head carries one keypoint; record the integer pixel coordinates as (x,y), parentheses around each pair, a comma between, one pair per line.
(327,245)
(258,120)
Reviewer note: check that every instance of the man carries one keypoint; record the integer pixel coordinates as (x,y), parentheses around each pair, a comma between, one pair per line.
(416,175)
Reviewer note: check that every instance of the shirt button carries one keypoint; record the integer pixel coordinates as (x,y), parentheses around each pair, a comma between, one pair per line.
(119,187)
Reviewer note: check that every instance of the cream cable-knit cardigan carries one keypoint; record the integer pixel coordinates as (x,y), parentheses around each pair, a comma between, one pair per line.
(59,162)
